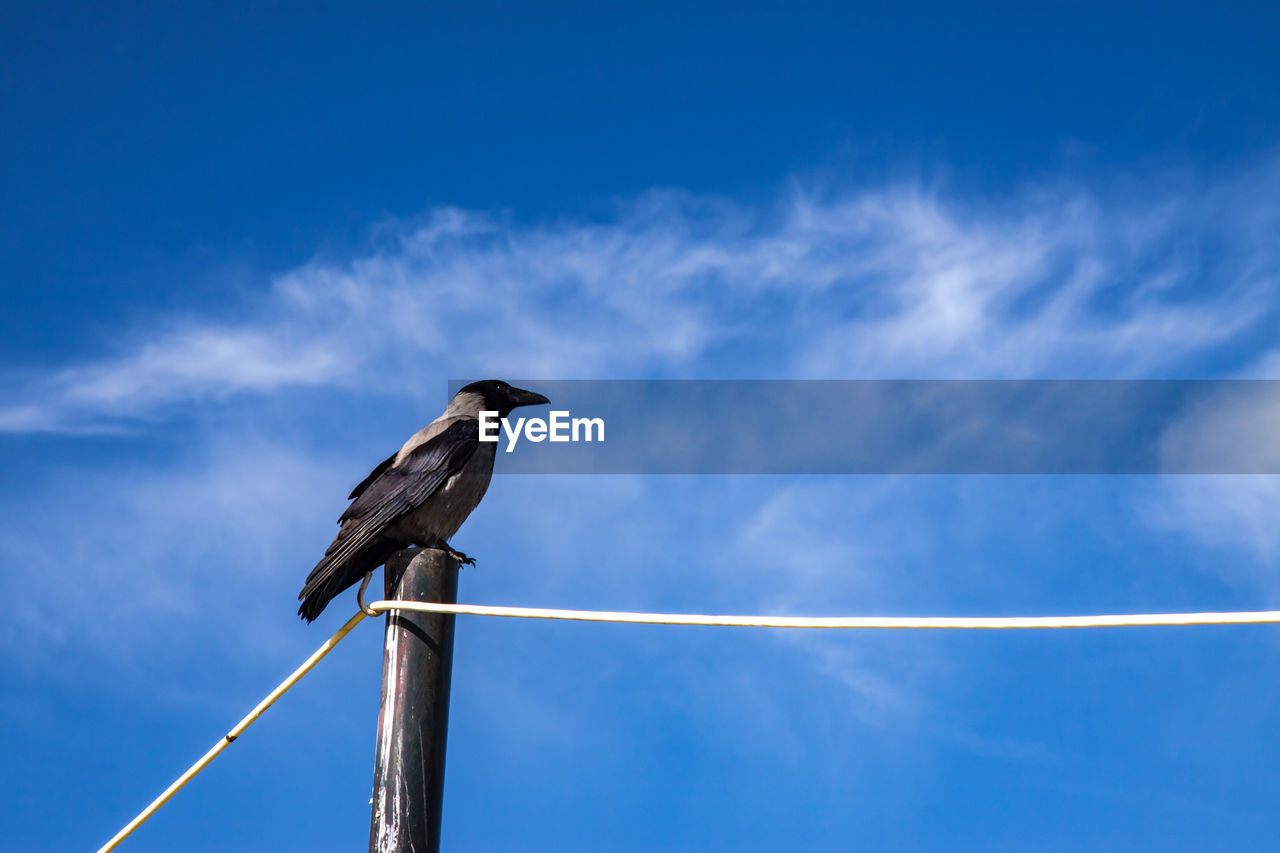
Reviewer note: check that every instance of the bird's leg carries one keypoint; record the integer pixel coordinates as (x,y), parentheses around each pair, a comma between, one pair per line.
(457,555)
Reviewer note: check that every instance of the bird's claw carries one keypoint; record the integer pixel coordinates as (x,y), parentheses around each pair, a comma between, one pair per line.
(456,554)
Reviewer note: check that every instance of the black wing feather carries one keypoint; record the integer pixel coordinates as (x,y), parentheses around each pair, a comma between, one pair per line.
(361,544)
(373,475)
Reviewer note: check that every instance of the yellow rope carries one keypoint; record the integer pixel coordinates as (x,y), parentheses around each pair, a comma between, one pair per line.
(235,732)
(1255,617)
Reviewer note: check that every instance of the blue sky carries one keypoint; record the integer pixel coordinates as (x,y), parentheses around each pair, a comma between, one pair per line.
(243,253)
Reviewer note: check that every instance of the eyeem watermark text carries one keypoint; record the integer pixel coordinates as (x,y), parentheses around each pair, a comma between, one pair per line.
(559,427)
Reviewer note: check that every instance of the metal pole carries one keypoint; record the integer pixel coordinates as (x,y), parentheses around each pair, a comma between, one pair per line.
(417,659)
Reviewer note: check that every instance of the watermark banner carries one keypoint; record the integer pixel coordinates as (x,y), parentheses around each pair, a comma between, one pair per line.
(893,427)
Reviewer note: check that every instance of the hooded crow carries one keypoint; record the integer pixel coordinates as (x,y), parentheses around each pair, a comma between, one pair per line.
(419,496)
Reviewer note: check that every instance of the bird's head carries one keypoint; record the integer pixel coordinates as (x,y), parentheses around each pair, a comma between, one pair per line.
(494,395)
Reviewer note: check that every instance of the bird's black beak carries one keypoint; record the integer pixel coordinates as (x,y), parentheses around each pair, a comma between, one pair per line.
(520,397)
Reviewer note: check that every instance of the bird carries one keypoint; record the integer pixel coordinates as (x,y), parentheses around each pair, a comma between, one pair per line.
(420,495)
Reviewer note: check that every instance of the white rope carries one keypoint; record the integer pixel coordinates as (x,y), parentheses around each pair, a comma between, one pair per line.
(1247,617)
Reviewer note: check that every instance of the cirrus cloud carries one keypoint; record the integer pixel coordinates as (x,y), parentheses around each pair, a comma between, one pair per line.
(898,281)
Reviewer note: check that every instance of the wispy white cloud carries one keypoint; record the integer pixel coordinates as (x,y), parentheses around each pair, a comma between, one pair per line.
(103,563)
(194,363)
(1236,431)
(1234,514)
(897,281)
(1266,367)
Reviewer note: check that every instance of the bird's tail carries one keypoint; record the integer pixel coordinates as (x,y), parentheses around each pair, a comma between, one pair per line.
(330,577)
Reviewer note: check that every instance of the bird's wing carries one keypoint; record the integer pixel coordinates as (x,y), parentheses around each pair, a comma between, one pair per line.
(403,488)
(387,497)
(373,475)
